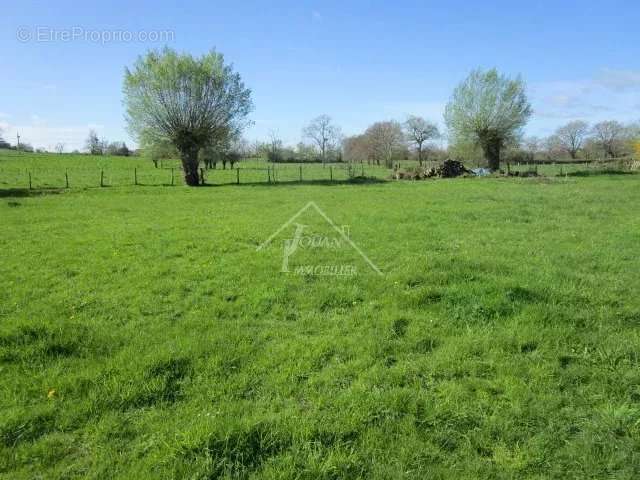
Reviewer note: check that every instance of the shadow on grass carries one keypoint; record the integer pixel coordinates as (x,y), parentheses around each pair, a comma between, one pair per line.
(288,183)
(589,173)
(26,192)
(36,192)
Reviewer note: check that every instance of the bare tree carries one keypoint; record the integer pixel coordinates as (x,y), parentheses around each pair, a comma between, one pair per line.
(608,135)
(572,136)
(355,148)
(324,134)
(418,131)
(274,152)
(60,147)
(238,150)
(94,145)
(257,147)
(532,145)
(385,140)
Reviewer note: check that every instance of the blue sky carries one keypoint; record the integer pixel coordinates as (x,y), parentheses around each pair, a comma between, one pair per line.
(357,61)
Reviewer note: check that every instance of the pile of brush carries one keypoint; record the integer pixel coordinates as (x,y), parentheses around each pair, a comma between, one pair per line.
(447,169)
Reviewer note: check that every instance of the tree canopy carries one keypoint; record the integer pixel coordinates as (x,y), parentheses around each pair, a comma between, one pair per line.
(488,109)
(190,101)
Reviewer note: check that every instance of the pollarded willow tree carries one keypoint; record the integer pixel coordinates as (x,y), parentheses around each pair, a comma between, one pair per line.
(490,110)
(188,101)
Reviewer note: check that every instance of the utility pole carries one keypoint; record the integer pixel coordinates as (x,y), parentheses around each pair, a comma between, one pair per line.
(18,135)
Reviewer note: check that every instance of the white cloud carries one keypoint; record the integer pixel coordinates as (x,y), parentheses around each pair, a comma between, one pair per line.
(608,94)
(619,80)
(40,134)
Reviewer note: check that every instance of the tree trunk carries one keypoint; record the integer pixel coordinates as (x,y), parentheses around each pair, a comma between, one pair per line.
(420,154)
(190,167)
(492,154)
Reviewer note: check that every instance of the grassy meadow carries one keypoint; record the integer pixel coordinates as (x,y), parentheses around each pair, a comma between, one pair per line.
(86,171)
(143,336)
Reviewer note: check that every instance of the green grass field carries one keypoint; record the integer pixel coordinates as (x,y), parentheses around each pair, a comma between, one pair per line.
(85,171)
(49,171)
(143,336)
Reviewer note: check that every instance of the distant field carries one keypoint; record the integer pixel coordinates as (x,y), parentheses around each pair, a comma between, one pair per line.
(85,171)
(142,335)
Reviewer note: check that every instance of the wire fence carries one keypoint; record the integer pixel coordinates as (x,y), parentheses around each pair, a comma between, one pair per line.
(579,167)
(38,177)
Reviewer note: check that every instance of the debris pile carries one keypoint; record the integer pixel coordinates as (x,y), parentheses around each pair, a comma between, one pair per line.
(450,169)
(447,169)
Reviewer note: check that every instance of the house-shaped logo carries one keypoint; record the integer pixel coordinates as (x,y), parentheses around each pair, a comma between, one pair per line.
(333,242)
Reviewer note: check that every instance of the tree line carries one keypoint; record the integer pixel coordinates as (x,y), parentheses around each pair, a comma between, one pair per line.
(101,146)
(579,140)
(197,108)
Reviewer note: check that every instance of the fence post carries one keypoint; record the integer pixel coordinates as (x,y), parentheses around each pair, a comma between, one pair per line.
(268,174)
(172,176)
(30,186)
(66,179)
(300,172)
(238,176)
(102,178)
(202,176)
(331,173)
(135,176)
(362,165)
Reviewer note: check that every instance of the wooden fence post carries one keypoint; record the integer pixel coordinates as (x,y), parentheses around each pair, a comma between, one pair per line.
(171,176)
(300,172)
(102,178)
(268,174)
(237,176)
(135,176)
(30,185)
(202,176)
(66,179)
(331,173)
